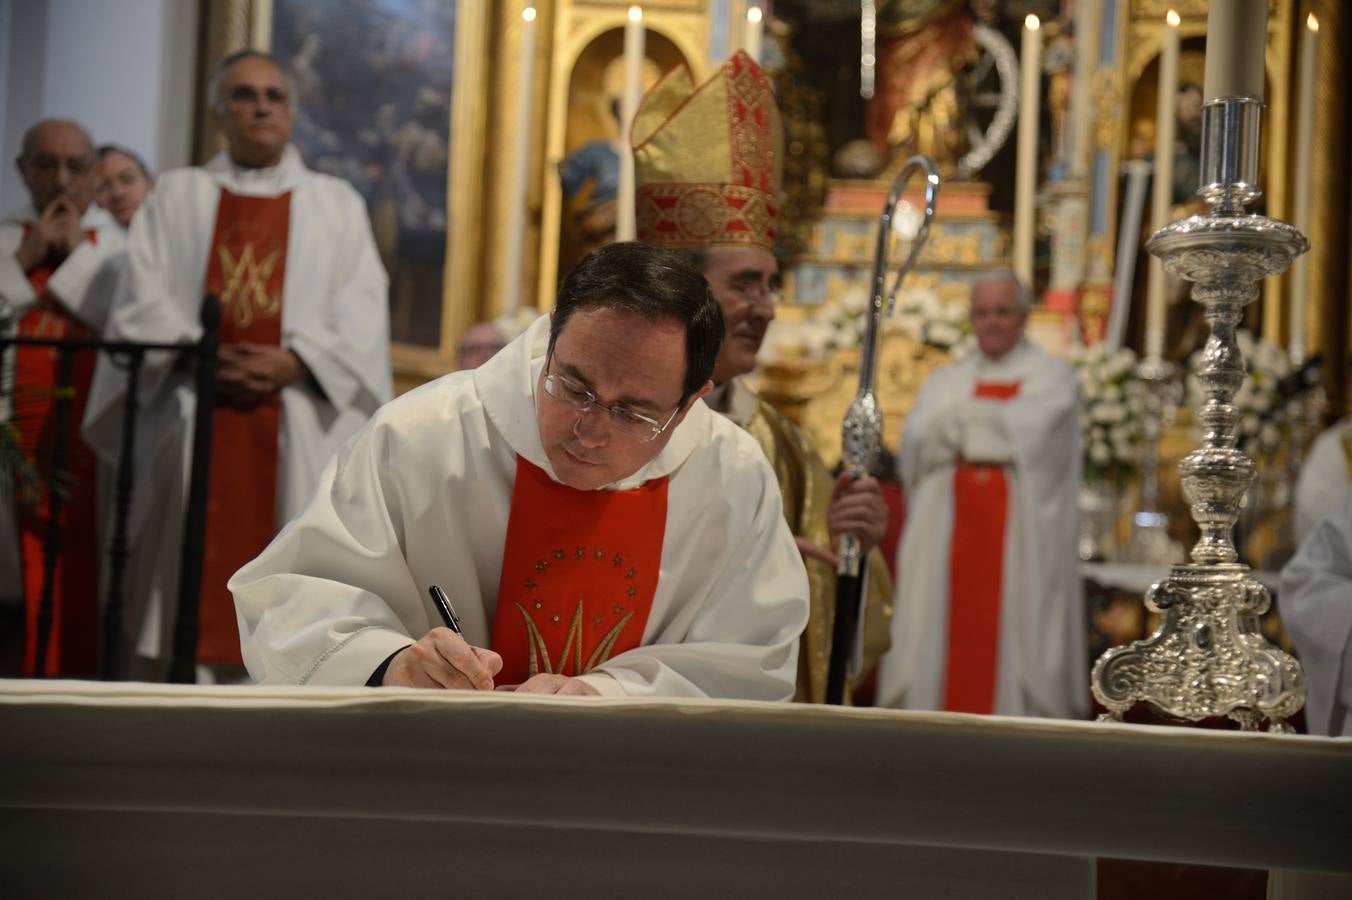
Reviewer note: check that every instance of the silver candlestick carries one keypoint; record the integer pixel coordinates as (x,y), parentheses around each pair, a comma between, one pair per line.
(1209,658)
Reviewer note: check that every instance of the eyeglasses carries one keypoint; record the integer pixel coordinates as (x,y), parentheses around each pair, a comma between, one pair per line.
(243,95)
(752,290)
(623,420)
(48,165)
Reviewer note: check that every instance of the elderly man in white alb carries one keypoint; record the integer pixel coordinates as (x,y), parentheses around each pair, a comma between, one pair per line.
(988,615)
(54,283)
(304,357)
(596,527)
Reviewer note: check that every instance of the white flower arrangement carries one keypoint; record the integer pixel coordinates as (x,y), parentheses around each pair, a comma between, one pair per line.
(1112,411)
(920,313)
(1264,418)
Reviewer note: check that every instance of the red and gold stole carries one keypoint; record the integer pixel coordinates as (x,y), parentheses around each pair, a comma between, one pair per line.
(72,648)
(976,563)
(246,269)
(579,571)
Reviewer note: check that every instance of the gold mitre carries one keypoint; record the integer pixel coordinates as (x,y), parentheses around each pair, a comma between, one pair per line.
(707,159)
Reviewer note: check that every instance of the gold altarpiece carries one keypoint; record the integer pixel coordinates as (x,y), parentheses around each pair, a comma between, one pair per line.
(577,44)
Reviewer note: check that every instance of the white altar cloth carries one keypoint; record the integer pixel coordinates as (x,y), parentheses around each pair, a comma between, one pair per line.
(156,790)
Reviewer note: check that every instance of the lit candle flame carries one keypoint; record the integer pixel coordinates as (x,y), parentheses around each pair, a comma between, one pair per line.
(1032,22)
(635,14)
(1172,18)
(1312,22)
(754,14)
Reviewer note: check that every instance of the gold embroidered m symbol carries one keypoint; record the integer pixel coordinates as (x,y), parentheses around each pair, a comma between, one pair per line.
(246,285)
(572,645)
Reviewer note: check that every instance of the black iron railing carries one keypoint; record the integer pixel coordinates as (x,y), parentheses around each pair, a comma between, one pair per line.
(130,356)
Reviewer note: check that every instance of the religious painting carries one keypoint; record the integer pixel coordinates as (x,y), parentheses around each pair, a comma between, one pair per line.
(374,83)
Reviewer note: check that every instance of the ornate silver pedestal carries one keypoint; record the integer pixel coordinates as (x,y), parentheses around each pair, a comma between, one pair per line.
(1208,657)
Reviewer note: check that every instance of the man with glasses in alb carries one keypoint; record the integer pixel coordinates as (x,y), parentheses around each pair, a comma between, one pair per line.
(597,528)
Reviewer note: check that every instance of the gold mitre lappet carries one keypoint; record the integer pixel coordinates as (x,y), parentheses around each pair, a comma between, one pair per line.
(707,159)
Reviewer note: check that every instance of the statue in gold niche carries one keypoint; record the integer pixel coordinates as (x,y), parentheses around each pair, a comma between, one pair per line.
(918,105)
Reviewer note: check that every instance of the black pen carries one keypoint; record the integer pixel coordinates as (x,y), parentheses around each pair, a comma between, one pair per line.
(444,607)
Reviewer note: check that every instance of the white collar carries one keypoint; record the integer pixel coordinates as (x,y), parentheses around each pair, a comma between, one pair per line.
(734,399)
(265,182)
(1013,366)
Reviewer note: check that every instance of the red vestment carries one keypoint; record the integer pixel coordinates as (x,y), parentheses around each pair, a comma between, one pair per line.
(579,570)
(976,563)
(246,269)
(73,645)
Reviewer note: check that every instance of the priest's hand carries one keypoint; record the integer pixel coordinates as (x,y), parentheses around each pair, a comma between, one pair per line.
(544,683)
(857,507)
(443,659)
(56,233)
(66,218)
(247,374)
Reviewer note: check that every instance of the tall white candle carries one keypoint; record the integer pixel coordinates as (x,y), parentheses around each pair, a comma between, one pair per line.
(1166,120)
(1236,34)
(633,92)
(1025,179)
(736,21)
(754,27)
(1088,21)
(516,213)
(1300,272)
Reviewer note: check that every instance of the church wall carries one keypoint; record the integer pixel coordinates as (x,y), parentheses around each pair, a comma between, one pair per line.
(124,70)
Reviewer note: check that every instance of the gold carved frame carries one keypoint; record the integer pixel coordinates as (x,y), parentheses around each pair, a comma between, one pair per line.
(230,25)
(576,23)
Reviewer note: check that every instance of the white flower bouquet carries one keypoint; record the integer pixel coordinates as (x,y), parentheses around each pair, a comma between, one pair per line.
(1112,411)
(920,313)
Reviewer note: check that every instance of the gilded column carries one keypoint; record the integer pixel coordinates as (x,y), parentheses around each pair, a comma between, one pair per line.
(227,26)
(500,158)
(1330,277)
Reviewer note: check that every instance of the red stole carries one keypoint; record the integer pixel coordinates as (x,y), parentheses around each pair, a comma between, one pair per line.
(976,564)
(246,269)
(579,571)
(73,648)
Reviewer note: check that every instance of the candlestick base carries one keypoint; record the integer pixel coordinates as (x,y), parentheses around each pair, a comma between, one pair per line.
(1208,658)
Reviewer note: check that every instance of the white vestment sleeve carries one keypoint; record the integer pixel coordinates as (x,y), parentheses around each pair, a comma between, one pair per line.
(316,606)
(932,436)
(79,284)
(143,309)
(1323,477)
(348,350)
(1042,561)
(1316,609)
(16,293)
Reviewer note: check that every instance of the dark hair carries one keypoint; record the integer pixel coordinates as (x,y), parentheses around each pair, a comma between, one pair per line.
(656,284)
(108,150)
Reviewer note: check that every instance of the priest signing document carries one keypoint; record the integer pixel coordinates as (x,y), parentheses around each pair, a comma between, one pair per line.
(988,615)
(597,528)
